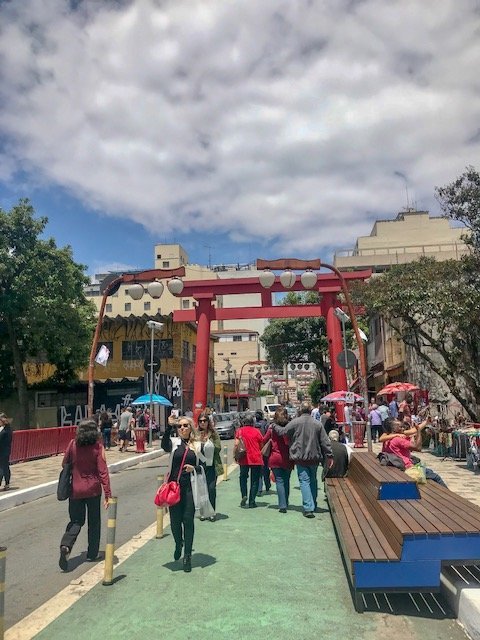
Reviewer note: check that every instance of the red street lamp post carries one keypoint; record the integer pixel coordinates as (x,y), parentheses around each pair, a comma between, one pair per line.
(112,287)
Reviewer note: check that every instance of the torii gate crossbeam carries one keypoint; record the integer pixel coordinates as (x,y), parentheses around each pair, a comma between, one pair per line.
(206,291)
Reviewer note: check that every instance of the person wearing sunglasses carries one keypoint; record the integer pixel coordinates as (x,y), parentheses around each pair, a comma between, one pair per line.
(210,447)
(185,455)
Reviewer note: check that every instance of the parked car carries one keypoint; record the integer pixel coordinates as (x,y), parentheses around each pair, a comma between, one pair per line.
(292,412)
(224,424)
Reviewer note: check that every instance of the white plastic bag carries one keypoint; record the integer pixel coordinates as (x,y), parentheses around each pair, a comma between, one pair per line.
(203,508)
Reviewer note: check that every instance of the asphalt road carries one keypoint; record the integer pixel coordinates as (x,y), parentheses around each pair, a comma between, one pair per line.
(32,532)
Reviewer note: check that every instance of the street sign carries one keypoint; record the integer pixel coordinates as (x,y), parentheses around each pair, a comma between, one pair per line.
(346,359)
(147,365)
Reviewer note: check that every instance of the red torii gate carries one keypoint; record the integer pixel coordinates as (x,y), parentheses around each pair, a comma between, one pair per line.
(206,291)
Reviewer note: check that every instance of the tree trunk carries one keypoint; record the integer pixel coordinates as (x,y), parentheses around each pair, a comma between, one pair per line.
(21,382)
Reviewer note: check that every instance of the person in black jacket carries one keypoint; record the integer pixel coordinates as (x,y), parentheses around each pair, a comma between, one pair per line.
(5,449)
(309,446)
(341,457)
(182,514)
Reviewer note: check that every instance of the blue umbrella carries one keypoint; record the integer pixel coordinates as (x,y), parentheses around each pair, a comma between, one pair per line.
(156,399)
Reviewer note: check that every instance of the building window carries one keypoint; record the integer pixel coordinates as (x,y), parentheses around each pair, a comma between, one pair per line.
(252,337)
(185,350)
(194,352)
(237,338)
(146,306)
(128,306)
(233,353)
(159,311)
(165,265)
(159,256)
(108,308)
(185,304)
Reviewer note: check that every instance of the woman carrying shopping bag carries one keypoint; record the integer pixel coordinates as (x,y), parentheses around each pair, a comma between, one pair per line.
(185,456)
(211,448)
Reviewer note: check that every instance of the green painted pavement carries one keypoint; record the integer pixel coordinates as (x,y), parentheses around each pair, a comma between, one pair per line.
(256,574)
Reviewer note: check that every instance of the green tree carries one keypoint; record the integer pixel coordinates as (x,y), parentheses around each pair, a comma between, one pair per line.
(296,339)
(460,200)
(44,315)
(315,391)
(435,309)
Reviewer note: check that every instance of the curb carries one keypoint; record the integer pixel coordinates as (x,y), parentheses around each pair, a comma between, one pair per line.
(22,496)
(461,589)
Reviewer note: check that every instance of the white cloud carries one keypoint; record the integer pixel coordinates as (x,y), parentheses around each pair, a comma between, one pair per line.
(275,120)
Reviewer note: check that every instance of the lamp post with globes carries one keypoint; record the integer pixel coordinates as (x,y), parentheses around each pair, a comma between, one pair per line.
(153,286)
(153,326)
(309,279)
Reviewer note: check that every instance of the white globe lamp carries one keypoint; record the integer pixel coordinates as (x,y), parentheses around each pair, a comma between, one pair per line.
(308,279)
(288,278)
(175,286)
(267,278)
(155,289)
(136,291)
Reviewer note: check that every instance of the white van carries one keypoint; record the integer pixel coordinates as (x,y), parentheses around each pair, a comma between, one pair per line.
(269,411)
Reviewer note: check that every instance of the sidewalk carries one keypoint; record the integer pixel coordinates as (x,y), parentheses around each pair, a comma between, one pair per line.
(256,574)
(38,478)
(250,568)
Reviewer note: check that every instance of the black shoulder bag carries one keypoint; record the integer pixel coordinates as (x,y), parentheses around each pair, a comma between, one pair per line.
(64,488)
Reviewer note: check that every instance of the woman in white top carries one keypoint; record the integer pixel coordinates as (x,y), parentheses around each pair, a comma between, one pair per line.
(210,447)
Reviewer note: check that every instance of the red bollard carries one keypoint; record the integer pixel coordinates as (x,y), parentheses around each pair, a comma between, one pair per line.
(140,440)
(358,434)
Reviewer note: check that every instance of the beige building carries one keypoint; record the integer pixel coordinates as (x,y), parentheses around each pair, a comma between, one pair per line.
(172,256)
(166,256)
(407,237)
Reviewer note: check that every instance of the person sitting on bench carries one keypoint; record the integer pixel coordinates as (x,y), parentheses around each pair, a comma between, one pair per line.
(396,440)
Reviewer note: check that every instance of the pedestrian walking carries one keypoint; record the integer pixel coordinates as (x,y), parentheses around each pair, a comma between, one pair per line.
(264,479)
(375,422)
(106,428)
(184,451)
(309,445)
(252,462)
(89,476)
(5,450)
(279,459)
(210,446)
(124,423)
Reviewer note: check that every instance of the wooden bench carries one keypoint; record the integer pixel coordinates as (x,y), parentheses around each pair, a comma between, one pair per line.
(395,535)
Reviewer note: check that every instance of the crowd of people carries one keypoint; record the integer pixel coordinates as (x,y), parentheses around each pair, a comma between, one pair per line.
(267,453)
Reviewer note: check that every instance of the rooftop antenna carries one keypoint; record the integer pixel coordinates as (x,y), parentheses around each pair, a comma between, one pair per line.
(404,178)
(207,246)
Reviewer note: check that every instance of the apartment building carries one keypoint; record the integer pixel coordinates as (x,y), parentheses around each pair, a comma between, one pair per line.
(400,240)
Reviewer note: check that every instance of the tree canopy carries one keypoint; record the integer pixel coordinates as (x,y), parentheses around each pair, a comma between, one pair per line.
(296,339)
(44,315)
(434,308)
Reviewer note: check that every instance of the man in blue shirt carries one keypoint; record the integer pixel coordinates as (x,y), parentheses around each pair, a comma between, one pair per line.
(393,408)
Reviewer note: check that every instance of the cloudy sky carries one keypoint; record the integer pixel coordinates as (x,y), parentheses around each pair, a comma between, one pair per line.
(241,129)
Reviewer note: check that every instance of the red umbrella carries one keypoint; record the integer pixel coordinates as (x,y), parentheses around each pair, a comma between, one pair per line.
(342,396)
(393,387)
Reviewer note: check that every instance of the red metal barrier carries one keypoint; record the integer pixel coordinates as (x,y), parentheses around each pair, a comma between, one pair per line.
(29,444)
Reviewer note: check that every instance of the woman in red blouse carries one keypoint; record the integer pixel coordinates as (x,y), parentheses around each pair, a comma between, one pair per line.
(279,459)
(89,475)
(252,461)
